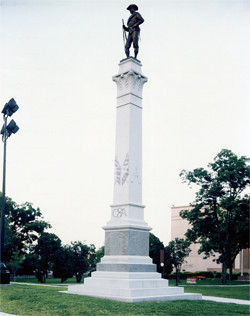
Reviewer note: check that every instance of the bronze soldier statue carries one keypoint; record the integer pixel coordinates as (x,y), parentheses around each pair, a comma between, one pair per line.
(133,29)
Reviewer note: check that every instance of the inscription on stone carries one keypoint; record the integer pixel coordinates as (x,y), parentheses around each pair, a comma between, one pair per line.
(119,212)
(116,243)
(127,242)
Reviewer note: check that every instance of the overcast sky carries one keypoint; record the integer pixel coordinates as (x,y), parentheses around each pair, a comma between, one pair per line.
(57,59)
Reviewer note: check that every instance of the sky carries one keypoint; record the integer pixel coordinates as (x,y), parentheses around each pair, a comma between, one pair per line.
(57,59)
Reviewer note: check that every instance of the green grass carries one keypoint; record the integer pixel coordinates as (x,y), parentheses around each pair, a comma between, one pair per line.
(210,287)
(240,292)
(44,300)
(48,281)
(211,282)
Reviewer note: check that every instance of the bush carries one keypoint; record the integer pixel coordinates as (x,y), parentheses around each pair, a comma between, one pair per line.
(41,277)
(206,274)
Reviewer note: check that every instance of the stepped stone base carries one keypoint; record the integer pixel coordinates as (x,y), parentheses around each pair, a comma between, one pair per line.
(130,287)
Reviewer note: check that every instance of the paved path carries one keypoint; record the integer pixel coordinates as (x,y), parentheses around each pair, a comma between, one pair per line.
(237,285)
(225,300)
(42,284)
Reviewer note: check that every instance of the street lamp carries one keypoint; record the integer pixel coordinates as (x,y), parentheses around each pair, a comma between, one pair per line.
(162,261)
(176,255)
(10,108)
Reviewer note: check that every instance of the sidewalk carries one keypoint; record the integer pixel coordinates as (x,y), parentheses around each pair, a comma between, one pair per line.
(225,300)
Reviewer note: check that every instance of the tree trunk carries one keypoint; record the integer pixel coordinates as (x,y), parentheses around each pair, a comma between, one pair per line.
(224,273)
(78,277)
(230,272)
(44,278)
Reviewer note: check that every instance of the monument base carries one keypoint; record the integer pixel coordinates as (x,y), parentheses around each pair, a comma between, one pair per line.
(130,287)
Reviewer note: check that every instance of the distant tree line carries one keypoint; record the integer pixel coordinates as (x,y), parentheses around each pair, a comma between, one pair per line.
(31,250)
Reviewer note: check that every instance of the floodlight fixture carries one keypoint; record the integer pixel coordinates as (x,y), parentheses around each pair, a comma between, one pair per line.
(10,107)
(11,128)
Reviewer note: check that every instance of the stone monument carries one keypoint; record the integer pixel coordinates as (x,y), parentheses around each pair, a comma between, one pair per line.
(126,272)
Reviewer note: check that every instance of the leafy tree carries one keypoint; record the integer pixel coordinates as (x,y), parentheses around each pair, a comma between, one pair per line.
(168,260)
(175,253)
(46,249)
(24,224)
(29,264)
(155,246)
(220,213)
(92,258)
(99,254)
(15,263)
(76,258)
(83,258)
(63,263)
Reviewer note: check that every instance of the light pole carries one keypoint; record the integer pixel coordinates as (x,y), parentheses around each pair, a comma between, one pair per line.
(10,108)
(241,263)
(176,255)
(162,260)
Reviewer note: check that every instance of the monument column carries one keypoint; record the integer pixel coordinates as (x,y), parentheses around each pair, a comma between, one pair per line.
(127,234)
(126,272)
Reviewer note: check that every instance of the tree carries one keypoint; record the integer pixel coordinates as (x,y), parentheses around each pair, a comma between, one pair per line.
(175,253)
(220,213)
(83,258)
(15,263)
(29,264)
(99,254)
(76,258)
(63,263)
(24,224)
(92,258)
(155,246)
(46,249)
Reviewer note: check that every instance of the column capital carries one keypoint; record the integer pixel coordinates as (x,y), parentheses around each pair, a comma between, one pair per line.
(130,82)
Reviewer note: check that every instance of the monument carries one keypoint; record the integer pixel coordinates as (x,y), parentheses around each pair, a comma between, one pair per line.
(126,272)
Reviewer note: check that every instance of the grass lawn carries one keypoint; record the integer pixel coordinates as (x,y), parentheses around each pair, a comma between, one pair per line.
(211,282)
(44,300)
(210,288)
(239,292)
(48,281)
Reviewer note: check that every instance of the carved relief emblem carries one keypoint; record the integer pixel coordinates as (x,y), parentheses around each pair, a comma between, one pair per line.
(135,177)
(121,171)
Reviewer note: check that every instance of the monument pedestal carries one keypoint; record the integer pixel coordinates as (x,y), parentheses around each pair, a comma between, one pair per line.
(131,287)
(126,272)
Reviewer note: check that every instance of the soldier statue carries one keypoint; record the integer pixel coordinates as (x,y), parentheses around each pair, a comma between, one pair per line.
(133,29)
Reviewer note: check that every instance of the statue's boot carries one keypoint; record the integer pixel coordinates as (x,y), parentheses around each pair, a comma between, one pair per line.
(136,53)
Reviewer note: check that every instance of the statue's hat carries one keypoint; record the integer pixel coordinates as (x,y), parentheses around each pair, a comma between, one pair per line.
(132,6)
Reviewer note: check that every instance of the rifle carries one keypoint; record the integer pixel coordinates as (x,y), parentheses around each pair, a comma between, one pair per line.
(124,33)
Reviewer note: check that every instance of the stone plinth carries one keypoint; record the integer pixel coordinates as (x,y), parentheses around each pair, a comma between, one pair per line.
(131,287)
(126,272)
